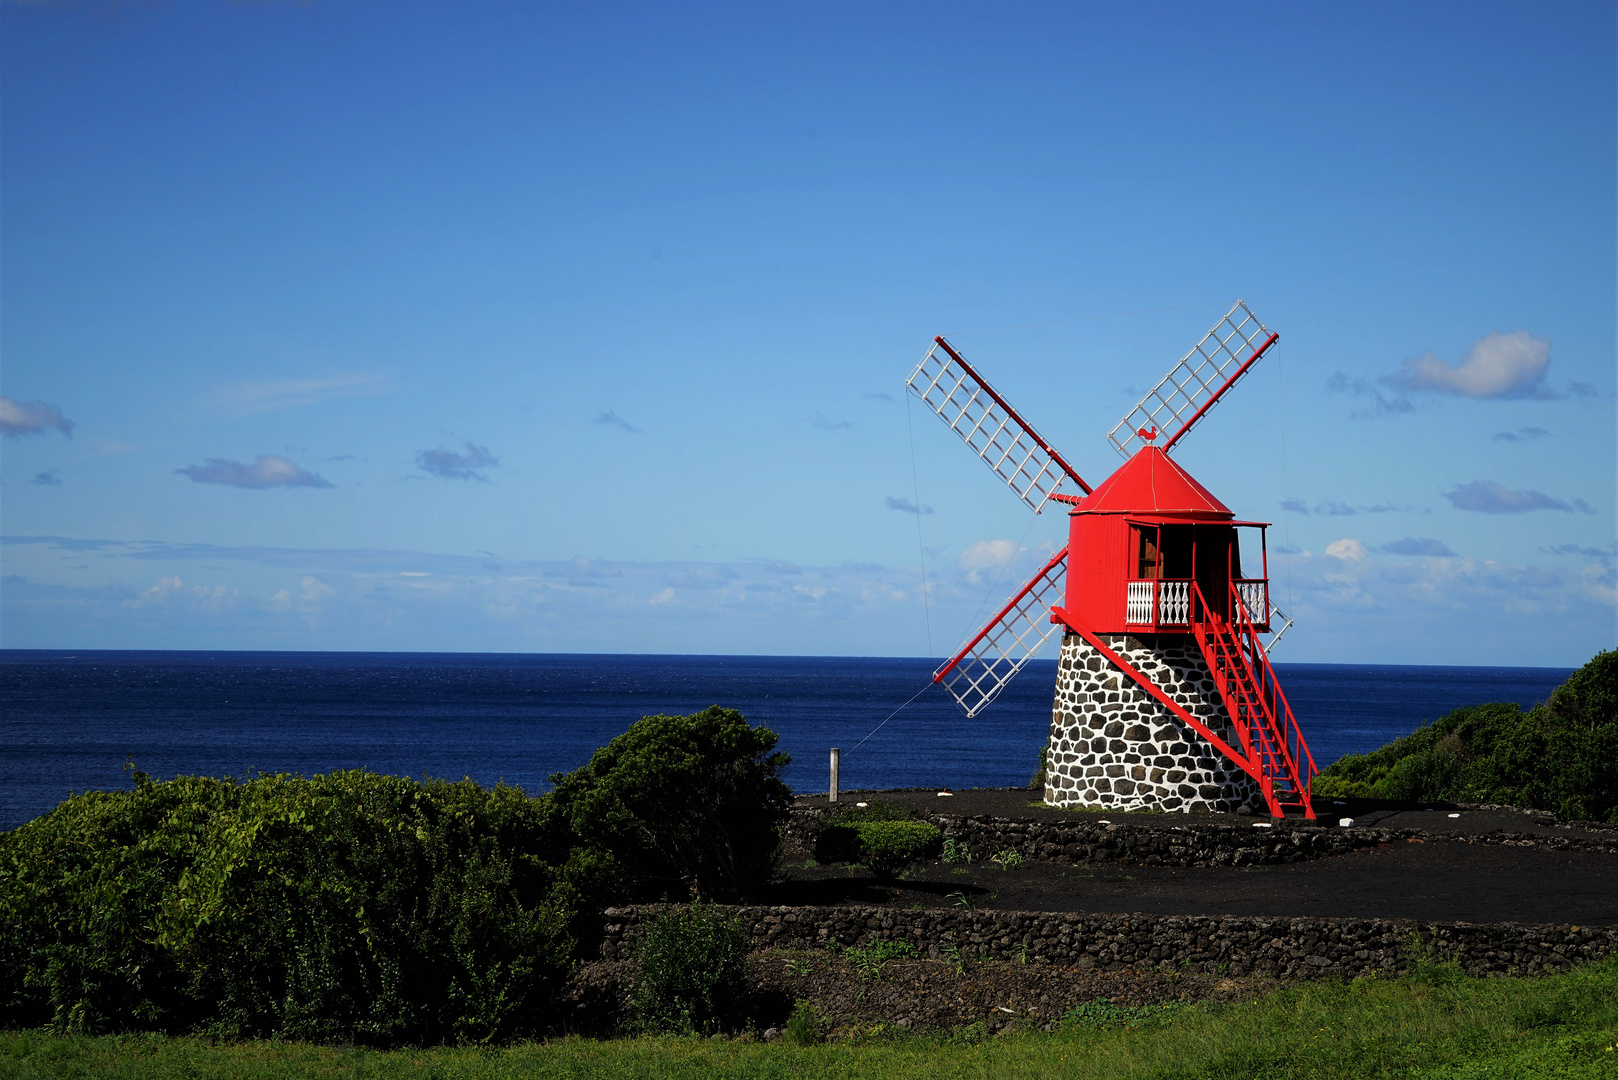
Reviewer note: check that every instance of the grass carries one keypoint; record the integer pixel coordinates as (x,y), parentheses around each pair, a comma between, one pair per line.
(1434,1024)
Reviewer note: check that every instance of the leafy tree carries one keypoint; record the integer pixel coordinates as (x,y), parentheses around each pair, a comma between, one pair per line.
(681,804)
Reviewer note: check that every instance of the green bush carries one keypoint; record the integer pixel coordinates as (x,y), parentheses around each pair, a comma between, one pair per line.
(869,961)
(803,1026)
(874,810)
(1560,756)
(681,803)
(887,847)
(838,840)
(344,907)
(361,907)
(692,970)
(1036,782)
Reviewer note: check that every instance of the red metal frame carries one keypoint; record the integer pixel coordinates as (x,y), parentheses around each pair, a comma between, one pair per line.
(1271,686)
(1239,372)
(981,634)
(1000,401)
(1254,701)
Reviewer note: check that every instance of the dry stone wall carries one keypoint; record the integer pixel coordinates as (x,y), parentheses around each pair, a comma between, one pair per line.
(1297,948)
(1083,841)
(1113,745)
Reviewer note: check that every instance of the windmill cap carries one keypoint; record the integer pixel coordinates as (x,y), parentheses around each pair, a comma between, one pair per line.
(1152,483)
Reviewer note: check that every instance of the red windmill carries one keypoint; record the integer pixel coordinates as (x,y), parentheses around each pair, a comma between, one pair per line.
(1165,697)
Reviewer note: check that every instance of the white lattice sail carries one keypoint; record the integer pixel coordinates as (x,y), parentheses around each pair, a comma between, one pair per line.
(1195,384)
(988,661)
(974,411)
(1279,625)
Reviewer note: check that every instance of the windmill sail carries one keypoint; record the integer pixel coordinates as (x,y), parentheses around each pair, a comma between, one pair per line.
(990,659)
(1197,382)
(965,401)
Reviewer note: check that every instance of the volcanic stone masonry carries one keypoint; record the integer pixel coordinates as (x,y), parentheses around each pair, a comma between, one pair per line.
(1292,948)
(1081,842)
(1116,746)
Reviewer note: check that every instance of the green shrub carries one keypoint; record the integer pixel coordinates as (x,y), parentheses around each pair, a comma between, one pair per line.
(352,906)
(692,970)
(361,907)
(868,961)
(1560,756)
(803,1027)
(874,810)
(838,840)
(681,803)
(887,847)
(1102,1013)
(1036,782)
(1009,859)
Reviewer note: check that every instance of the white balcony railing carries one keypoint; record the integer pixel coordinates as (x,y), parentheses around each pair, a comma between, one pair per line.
(1174,602)
(1168,603)
(1255,598)
(1139,607)
(1158,602)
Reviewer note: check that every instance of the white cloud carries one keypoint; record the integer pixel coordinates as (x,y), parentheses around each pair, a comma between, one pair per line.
(245,399)
(315,590)
(1347,549)
(32,418)
(171,590)
(1496,366)
(1347,607)
(165,587)
(986,555)
(1466,587)
(267,471)
(1597,583)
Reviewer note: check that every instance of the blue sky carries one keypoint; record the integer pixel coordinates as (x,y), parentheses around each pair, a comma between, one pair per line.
(584,327)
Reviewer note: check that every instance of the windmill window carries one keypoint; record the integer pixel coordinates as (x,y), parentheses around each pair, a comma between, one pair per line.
(1176,552)
(1148,556)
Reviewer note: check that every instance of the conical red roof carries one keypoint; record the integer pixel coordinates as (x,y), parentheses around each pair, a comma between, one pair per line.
(1151,483)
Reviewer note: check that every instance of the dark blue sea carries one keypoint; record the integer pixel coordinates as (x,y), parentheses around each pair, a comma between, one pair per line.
(71,720)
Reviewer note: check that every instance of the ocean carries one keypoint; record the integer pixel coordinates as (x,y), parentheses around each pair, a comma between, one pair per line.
(72,719)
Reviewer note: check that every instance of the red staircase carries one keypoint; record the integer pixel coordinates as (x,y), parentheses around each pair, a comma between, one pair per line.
(1263,720)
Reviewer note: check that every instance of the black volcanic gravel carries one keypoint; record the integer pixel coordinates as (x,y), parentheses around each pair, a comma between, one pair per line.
(1439,878)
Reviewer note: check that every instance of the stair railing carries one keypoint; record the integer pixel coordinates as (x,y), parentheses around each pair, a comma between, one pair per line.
(1299,760)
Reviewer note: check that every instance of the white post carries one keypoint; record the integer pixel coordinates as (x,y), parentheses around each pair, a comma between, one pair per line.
(835,753)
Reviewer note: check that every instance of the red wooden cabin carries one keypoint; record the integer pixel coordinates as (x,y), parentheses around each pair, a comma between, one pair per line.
(1140,541)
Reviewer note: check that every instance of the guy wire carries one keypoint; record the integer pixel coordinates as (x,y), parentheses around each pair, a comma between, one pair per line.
(1286,495)
(890,716)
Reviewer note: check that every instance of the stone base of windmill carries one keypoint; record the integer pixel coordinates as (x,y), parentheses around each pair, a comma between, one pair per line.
(1114,746)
